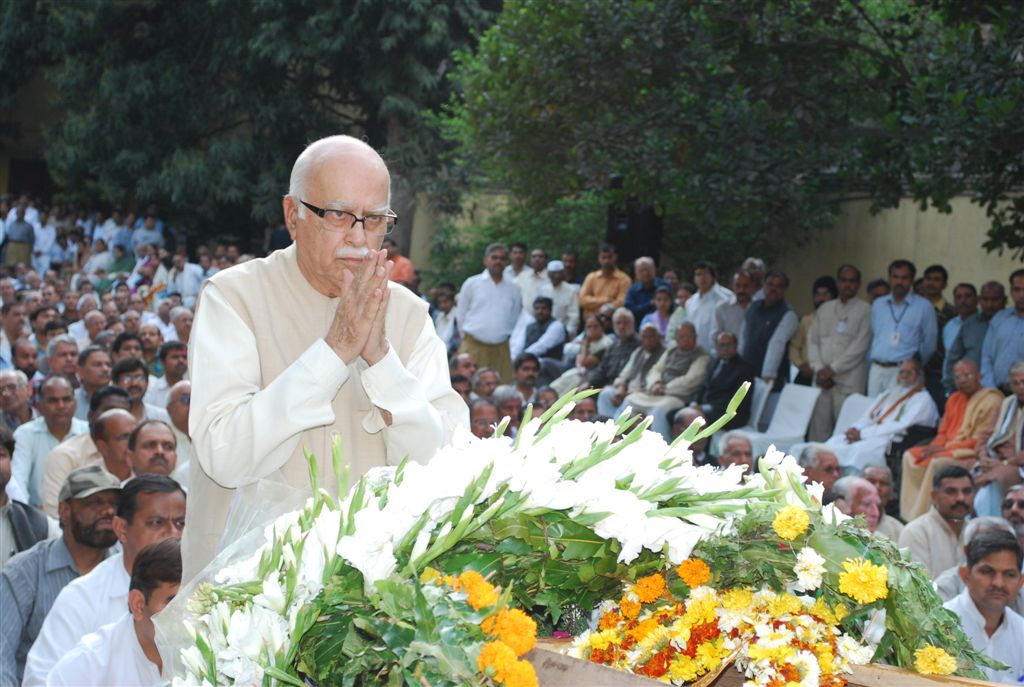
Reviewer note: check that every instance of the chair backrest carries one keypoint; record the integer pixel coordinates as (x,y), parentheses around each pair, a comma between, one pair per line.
(854,406)
(793,412)
(757,400)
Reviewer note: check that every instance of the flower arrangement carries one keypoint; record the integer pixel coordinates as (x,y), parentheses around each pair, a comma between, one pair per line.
(680,636)
(417,573)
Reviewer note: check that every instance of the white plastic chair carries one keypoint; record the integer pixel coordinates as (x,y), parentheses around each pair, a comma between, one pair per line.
(789,423)
(758,398)
(853,407)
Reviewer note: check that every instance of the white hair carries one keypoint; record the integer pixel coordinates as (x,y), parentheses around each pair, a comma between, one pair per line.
(178,311)
(20,378)
(312,156)
(736,434)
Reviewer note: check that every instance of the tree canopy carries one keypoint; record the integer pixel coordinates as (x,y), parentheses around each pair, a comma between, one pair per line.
(745,121)
(203,105)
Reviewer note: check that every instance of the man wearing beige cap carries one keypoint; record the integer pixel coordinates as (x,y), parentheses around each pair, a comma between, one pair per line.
(31,581)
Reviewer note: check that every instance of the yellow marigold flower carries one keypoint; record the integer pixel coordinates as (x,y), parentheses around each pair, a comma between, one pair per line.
(841,612)
(513,627)
(683,669)
(479,592)
(630,609)
(496,660)
(520,674)
(821,610)
(710,654)
(783,604)
(601,640)
(737,599)
(649,588)
(790,522)
(701,611)
(430,575)
(694,572)
(864,581)
(931,660)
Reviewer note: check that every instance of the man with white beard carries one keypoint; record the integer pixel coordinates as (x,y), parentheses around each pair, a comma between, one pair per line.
(887,420)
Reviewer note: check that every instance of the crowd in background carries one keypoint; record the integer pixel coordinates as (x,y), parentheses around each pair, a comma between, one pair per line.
(94,392)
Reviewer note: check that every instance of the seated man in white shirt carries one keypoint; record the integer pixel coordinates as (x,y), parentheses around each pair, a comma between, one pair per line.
(152,508)
(888,418)
(125,652)
(992,576)
(949,584)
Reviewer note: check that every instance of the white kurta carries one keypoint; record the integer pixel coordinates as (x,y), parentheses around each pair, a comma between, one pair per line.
(700,311)
(875,437)
(1005,645)
(266,386)
(110,656)
(85,605)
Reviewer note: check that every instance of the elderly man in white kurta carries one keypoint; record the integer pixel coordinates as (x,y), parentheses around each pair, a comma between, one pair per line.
(887,420)
(313,341)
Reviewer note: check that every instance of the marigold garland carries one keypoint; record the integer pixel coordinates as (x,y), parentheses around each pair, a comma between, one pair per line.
(479,592)
(790,522)
(931,660)
(864,581)
(514,628)
(649,588)
(694,572)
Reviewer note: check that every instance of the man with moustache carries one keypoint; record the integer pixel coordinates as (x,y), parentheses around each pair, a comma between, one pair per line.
(903,325)
(152,448)
(933,538)
(992,576)
(31,581)
(151,508)
(312,342)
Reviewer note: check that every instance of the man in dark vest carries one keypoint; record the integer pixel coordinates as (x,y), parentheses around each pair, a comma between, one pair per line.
(545,337)
(767,327)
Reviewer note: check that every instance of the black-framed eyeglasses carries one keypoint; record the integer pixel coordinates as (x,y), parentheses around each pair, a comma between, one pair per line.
(342,220)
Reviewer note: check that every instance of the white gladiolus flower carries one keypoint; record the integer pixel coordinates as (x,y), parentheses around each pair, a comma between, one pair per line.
(421,544)
(243,635)
(272,596)
(853,651)
(193,660)
(833,515)
(809,569)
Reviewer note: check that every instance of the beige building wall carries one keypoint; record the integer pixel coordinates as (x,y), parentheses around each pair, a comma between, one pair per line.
(871,242)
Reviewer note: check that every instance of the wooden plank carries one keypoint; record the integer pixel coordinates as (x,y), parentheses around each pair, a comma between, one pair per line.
(554,669)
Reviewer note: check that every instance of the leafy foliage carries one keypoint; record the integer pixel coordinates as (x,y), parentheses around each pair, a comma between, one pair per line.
(204,105)
(746,121)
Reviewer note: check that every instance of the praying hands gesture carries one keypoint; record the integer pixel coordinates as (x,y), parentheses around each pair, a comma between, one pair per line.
(358,326)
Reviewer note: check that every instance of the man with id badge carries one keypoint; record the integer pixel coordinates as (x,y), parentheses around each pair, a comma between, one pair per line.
(903,325)
(837,344)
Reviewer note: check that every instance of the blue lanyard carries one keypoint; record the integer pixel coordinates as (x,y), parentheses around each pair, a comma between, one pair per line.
(897,320)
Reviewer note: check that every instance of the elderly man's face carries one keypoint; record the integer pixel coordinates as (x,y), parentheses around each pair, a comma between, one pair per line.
(482,420)
(826,471)
(623,325)
(486,384)
(865,502)
(686,339)
(13,396)
(650,338)
(908,376)
(725,346)
(347,177)
(64,359)
(584,411)
(644,272)
(966,378)
(737,452)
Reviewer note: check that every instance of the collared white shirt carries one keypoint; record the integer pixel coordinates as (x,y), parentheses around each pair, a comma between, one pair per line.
(110,656)
(488,311)
(84,606)
(531,285)
(566,307)
(187,282)
(157,392)
(1006,644)
(32,443)
(700,312)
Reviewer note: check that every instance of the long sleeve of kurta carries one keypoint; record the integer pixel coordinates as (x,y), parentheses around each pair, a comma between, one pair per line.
(248,430)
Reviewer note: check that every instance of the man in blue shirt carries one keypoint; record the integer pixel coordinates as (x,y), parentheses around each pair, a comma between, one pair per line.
(1004,341)
(640,297)
(971,332)
(903,326)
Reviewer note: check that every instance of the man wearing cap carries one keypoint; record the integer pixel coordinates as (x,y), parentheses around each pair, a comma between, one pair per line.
(31,581)
(152,508)
(565,298)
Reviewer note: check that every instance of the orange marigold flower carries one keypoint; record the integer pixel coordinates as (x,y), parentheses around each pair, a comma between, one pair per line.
(513,627)
(496,659)
(609,620)
(630,609)
(479,592)
(643,628)
(649,588)
(521,674)
(694,572)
